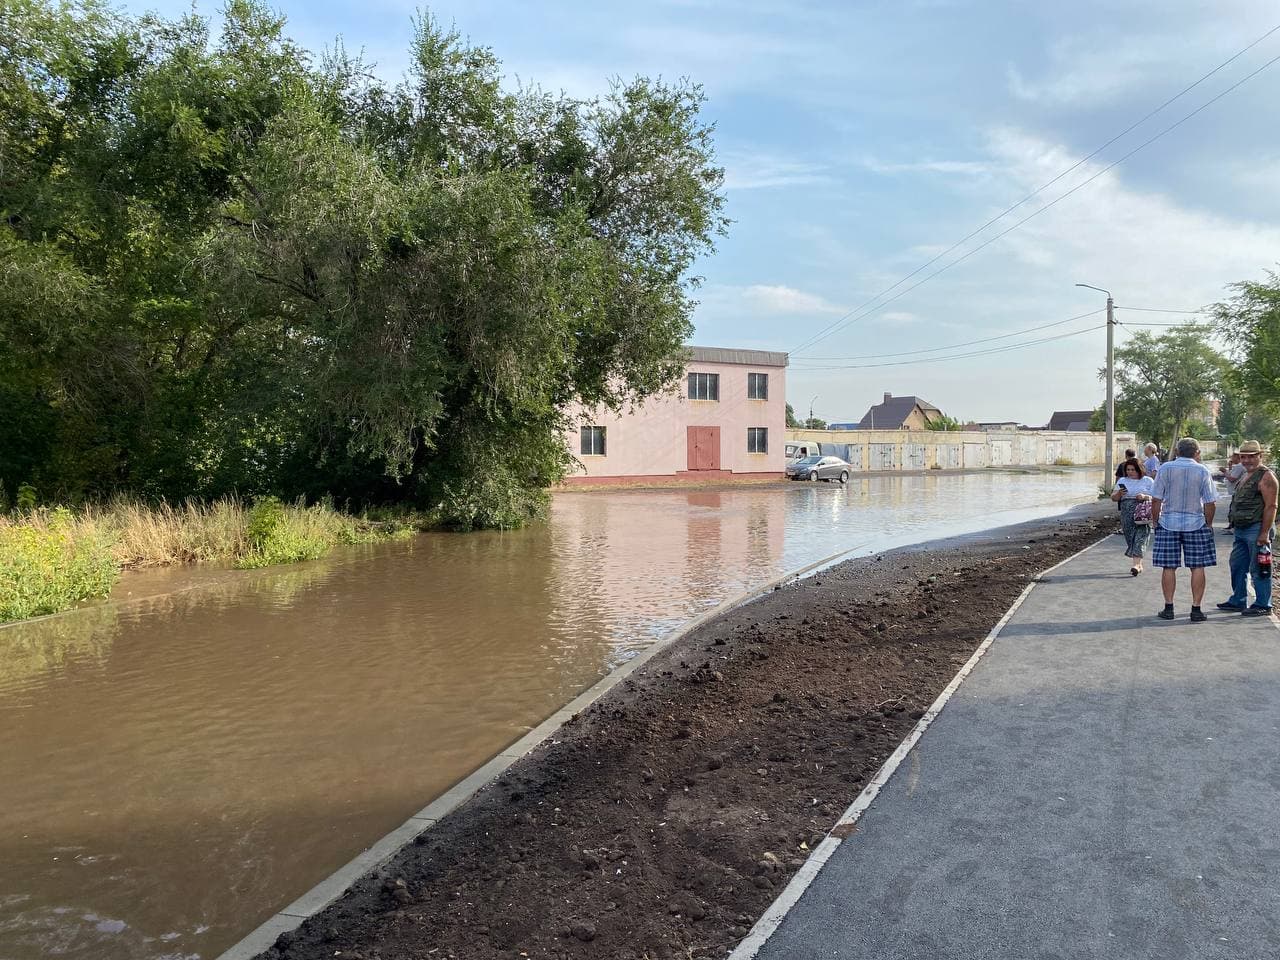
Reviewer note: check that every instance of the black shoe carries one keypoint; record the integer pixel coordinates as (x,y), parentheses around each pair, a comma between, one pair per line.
(1166,614)
(1230,606)
(1256,612)
(1197,616)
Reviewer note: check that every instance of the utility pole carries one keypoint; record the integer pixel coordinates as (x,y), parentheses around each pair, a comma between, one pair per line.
(809,422)
(1109,478)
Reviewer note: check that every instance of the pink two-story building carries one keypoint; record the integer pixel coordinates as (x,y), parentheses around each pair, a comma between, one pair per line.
(726,422)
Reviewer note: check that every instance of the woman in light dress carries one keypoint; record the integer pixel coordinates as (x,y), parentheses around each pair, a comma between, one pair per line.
(1132,489)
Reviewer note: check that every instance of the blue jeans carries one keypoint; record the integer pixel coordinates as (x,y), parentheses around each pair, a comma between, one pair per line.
(1244,565)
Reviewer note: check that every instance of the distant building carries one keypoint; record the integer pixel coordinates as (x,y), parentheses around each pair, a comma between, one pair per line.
(899,413)
(728,421)
(850,425)
(1074,420)
(1208,414)
(998,425)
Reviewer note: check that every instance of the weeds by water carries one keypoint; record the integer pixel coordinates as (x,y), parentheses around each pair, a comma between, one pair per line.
(52,559)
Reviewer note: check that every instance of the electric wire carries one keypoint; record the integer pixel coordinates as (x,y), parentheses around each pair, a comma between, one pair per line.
(959,356)
(954,346)
(849,317)
(1135,323)
(800,362)
(1157,310)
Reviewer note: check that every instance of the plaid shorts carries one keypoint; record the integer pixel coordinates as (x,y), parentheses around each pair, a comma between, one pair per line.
(1196,548)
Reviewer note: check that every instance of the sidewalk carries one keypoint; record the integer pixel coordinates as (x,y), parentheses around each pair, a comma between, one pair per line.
(1103,785)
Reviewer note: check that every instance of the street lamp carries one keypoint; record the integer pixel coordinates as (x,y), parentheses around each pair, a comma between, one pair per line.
(809,422)
(1111,400)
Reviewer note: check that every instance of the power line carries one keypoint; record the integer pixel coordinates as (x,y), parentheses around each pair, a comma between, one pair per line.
(849,317)
(1157,310)
(1135,323)
(967,343)
(959,356)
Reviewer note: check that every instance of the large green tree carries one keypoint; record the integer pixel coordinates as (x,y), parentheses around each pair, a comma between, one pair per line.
(1249,323)
(1163,381)
(230,268)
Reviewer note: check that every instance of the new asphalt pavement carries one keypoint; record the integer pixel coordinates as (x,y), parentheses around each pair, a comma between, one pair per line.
(1103,784)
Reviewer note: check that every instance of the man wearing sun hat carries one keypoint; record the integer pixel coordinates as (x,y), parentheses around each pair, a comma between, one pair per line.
(1253,515)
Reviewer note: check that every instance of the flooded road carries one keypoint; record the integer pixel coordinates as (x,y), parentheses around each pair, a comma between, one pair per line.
(183,761)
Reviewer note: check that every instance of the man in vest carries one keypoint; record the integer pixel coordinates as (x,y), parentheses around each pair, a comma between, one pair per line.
(1253,515)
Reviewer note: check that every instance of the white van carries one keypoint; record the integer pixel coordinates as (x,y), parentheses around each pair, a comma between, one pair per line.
(798,449)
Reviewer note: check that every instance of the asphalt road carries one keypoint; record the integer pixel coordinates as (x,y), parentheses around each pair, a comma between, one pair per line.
(1104,784)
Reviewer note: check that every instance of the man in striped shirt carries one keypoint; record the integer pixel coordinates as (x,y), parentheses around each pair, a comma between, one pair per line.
(1182,513)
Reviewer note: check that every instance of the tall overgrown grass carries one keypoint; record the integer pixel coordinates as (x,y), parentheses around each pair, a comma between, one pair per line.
(51,559)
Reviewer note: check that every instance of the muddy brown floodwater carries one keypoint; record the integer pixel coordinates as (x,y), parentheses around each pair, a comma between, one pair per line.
(182,761)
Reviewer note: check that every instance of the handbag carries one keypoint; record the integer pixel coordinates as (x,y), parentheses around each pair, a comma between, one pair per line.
(1142,513)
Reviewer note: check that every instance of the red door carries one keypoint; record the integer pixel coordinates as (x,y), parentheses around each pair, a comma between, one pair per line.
(704,448)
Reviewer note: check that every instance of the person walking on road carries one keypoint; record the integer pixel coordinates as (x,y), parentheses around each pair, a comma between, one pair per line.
(1183,503)
(1252,514)
(1151,465)
(1133,495)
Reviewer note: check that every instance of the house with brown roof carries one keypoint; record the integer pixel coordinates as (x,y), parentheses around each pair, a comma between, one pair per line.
(899,413)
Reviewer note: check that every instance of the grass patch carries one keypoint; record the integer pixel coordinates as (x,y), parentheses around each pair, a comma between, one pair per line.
(52,559)
(1063,462)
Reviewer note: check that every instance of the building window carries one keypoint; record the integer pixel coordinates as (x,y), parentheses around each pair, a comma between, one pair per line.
(592,444)
(757,386)
(757,439)
(704,386)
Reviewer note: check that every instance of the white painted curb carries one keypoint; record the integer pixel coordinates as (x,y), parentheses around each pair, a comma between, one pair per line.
(773,917)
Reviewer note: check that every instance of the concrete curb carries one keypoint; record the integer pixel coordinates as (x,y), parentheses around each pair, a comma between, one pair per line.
(337,883)
(772,918)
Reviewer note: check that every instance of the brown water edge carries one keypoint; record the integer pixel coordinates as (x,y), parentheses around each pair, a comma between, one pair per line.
(662,821)
(182,763)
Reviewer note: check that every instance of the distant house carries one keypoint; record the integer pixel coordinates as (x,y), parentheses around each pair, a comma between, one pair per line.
(1074,420)
(899,413)
(1208,414)
(728,421)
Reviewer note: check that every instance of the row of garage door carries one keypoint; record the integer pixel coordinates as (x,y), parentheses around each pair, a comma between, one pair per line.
(948,456)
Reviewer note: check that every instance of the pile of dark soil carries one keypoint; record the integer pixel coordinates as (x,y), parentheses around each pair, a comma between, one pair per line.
(662,821)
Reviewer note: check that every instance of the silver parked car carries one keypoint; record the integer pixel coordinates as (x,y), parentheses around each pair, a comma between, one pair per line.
(819,468)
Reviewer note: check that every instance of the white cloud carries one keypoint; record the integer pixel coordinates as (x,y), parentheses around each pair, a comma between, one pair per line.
(964,168)
(899,317)
(1143,245)
(779,299)
(755,171)
(1151,249)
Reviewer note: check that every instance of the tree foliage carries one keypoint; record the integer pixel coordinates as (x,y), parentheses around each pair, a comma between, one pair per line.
(1163,381)
(942,422)
(227,267)
(1250,325)
(1098,419)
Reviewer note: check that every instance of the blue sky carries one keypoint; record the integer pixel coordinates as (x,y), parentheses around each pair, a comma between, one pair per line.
(862,139)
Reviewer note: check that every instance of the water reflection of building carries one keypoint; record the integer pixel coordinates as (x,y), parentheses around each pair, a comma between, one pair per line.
(640,563)
(726,422)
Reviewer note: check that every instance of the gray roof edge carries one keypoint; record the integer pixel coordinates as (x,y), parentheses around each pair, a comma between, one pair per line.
(751,358)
